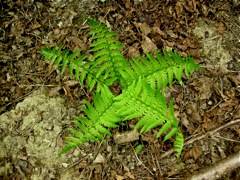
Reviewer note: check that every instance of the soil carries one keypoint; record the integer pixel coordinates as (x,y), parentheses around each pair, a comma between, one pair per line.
(38,103)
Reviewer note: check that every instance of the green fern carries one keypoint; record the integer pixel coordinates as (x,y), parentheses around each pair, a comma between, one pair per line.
(160,71)
(107,57)
(99,116)
(77,66)
(141,80)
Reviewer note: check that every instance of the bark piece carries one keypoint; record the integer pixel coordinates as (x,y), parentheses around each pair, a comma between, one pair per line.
(218,169)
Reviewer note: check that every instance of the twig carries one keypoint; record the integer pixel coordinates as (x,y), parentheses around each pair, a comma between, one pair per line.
(72,165)
(218,169)
(169,152)
(141,163)
(226,139)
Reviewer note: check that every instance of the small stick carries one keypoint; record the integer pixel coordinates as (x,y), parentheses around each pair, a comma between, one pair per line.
(219,169)
(72,165)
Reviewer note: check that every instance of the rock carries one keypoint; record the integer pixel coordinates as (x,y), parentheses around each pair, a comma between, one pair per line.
(126,137)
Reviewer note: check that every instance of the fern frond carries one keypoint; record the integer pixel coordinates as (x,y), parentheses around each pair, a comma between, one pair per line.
(178,143)
(100,117)
(78,67)
(141,80)
(160,70)
(140,100)
(107,56)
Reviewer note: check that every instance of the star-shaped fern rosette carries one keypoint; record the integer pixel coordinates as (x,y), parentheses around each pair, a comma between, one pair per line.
(141,80)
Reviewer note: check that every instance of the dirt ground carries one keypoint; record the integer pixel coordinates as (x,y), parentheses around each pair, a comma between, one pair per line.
(38,104)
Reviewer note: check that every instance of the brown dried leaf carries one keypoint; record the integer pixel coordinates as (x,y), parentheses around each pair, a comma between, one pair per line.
(221,28)
(195,52)
(182,47)
(129,175)
(144,27)
(67,91)
(148,45)
(157,39)
(128,4)
(149,137)
(234,79)
(71,83)
(196,152)
(188,124)
(133,52)
(157,30)
(54,91)
(78,42)
(179,9)
(118,177)
(193,112)
(170,44)
(172,34)
(208,123)
(35,25)
(204,86)
(205,10)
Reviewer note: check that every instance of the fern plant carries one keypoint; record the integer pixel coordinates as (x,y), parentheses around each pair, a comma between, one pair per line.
(143,82)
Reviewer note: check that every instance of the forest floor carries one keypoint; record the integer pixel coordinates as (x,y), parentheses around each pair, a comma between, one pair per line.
(38,104)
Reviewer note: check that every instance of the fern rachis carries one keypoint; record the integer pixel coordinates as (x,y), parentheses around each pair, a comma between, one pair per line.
(141,80)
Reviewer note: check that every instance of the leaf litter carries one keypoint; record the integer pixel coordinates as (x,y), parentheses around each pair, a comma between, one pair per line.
(210,99)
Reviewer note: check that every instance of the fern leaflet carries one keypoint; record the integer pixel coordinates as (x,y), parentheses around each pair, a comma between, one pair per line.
(99,117)
(160,71)
(107,56)
(140,100)
(78,67)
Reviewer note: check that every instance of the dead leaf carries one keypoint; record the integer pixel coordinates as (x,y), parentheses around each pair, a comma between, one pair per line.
(157,30)
(82,164)
(56,31)
(67,91)
(234,79)
(127,4)
(79,44)
(34,25)
(182,47)
(179,9)
(220,93)
(187,123)
(172,34)
(54,91)
(129,175)
(195,52)
(71,83)
(99,159)
(193,112)
(157,39)
(208,123)
(170,44)
(195,152)
(144,27)
(204,86)
(133,51)
(148,45)
(118,177)
(17,29)
(205,10)
(221,28)
(149,137)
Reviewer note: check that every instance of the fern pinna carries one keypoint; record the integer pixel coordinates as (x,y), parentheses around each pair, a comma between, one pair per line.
(141,79)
